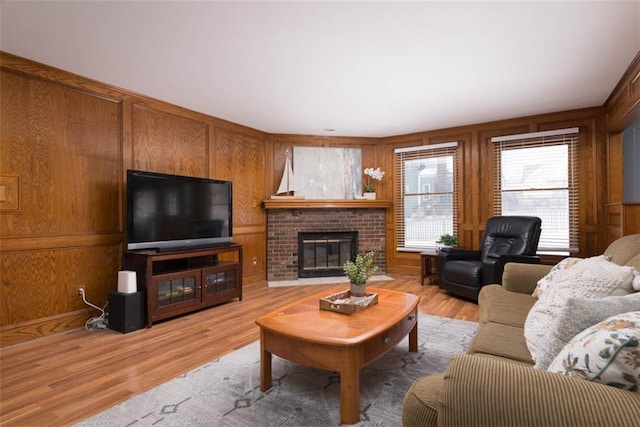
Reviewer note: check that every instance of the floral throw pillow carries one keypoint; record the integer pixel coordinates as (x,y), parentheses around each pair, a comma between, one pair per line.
(608,353)
(577,315)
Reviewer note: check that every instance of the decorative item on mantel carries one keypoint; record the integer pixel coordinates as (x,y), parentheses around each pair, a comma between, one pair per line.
(369,188)
(288,184)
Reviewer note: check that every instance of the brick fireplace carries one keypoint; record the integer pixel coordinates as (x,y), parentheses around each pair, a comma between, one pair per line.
(283,226)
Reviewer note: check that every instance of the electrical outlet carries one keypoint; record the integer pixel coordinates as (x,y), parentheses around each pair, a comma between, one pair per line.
(80,291)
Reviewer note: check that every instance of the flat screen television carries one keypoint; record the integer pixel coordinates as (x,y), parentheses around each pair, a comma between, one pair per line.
(172,212)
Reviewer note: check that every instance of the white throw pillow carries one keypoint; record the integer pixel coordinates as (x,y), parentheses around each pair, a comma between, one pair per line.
(594,277)
(554,274)
(577,315)
(608,353)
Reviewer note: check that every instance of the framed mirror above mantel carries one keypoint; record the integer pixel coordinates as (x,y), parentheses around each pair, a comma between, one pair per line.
(326,204)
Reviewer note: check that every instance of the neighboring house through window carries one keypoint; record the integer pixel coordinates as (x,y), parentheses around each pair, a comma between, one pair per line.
(536,176)
(426,205)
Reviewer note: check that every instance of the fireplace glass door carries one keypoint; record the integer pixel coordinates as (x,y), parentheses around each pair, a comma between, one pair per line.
(324,254)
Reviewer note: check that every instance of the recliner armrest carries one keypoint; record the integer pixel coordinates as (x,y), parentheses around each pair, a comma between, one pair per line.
(482,391)
(452,254)
(449,254)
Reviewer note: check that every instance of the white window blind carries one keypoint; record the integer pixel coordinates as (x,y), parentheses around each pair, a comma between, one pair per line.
(425,196)
(536,176)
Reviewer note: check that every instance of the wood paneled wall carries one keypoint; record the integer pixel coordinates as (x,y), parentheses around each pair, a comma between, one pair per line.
(476,172)
(67,141)
(66,144)
(61,146)
(623,109)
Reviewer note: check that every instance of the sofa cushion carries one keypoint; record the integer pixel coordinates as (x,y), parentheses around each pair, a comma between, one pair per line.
(422,401)
(523,278)
(487,392)
(625,250)
(608,353)
(635,262)
(500,340)
(590,278)
(577,315)
(501,306)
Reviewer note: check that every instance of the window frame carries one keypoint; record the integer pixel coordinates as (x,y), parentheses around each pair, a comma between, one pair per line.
(401,155)
(560,137)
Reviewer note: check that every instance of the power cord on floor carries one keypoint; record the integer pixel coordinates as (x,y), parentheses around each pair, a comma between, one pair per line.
(98,322)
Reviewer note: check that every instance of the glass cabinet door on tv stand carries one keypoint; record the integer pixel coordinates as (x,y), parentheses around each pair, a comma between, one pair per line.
(219,282)
(177,283)
(174,293)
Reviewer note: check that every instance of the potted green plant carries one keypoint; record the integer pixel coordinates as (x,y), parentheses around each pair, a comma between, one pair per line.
(359,271)
(447,240)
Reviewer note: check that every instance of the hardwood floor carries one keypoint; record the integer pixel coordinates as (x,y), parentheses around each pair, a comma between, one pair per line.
(66,378)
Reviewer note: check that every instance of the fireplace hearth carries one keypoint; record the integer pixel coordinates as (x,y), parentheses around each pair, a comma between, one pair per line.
(324,254)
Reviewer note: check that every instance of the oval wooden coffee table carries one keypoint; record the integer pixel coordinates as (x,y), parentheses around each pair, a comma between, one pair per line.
(303,333)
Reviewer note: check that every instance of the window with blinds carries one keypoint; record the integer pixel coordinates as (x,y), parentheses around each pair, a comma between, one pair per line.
(536,175)
(425,205)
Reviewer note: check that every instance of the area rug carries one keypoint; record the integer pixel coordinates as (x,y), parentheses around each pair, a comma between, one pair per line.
(226,391)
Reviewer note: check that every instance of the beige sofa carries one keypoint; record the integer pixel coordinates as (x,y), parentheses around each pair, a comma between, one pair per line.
(495,384)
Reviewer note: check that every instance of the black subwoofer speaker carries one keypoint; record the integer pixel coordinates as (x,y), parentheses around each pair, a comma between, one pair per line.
(126,311)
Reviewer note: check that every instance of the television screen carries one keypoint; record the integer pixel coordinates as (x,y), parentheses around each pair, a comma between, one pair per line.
(171,212)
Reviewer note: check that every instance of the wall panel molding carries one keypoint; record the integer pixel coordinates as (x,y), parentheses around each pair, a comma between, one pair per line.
(169,143)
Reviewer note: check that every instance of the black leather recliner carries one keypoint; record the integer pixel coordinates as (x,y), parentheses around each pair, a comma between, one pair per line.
(506,239)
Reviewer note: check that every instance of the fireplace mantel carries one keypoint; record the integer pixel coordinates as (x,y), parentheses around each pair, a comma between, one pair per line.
(326,204)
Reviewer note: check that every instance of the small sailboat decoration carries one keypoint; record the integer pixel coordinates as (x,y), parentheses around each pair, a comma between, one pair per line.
(288,183)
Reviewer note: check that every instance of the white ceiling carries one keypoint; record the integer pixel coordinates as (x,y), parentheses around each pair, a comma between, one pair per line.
(362,68)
